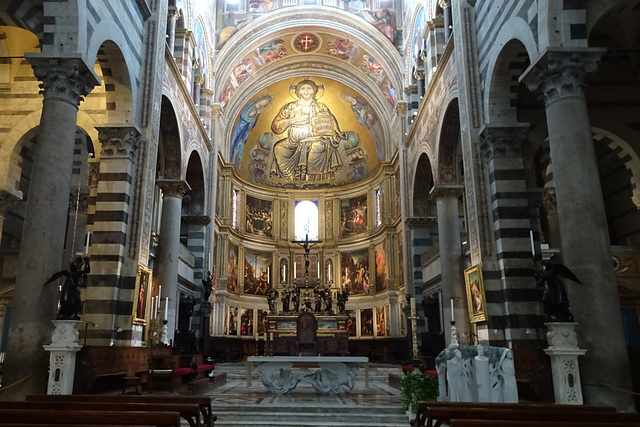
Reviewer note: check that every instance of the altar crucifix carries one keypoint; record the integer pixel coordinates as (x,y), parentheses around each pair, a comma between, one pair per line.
(307,245)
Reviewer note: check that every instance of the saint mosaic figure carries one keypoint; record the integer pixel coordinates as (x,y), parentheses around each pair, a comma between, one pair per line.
(310,147)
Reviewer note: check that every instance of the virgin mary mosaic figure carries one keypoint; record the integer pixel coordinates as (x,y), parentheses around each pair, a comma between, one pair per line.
(309,150)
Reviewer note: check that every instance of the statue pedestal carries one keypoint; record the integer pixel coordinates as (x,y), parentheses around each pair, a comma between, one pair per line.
(563,351)
(62,358)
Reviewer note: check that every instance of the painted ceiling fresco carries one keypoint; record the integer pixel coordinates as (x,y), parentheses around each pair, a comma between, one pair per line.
(307,132)
(304,43)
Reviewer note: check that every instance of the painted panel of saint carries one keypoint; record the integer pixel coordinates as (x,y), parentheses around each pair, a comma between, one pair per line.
(262,322)
(259,216)
(351,323)
(381,268)
(257,272)
(366,322)
(381,323)
(246,322)
(353,216)
(232,268)
(355,272)
(233,321)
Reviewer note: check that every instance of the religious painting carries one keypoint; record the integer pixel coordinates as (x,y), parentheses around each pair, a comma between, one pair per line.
(143,279)
(381,268)
(475,294)
(353,216)
(257,272)
(271,51)
(351,323)
(342,48)
(261,6)
(366,322)
(246,322)
(259,216)
(383,20)
(262,322)
(381,322)
(232,326)
(232,268)
(354,269)
(372,68)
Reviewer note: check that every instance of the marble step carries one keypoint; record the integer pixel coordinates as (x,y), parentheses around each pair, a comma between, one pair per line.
(326,417)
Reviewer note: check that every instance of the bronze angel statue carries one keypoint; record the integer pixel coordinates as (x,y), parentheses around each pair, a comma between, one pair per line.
(555,301)
(70,303)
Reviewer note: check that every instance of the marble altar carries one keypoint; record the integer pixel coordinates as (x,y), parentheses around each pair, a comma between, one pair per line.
(331,374)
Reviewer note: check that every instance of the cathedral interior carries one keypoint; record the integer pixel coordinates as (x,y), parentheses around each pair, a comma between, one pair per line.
(198,173)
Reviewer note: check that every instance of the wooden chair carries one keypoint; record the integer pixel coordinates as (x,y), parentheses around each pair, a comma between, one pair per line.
(130,379)
(307,328)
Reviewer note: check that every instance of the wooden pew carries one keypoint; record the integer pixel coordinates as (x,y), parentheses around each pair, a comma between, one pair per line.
(188,411)
(30,417)
(510,423)
(203,402)
(422,410)
(440,416)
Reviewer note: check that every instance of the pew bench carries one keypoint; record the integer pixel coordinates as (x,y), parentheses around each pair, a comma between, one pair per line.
(188,411)
(423,408)
(203,402)
(440,416)
(57,417)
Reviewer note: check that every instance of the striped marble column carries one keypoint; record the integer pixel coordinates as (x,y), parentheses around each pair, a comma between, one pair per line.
(109,298)
(512,299)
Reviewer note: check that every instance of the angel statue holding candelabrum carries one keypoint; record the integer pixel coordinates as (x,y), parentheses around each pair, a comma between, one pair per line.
(555,301)
(76,276)
(310,148)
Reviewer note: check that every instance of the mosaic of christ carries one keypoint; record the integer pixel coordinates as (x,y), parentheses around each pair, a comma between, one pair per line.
(307,133)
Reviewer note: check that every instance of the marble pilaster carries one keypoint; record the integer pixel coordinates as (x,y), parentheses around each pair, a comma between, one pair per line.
(451,268)
(586,248)
(65,81)
(169,248)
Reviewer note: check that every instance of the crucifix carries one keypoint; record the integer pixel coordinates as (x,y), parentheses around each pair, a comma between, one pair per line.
(307,245)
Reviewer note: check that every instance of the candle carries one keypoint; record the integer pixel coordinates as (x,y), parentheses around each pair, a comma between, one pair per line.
(268,279)
(86,245)
(284,273)
(166,308)
(452,318)
(329,270)
(294,271)
(160,290)
(153,302)
(318,269)
(533,248)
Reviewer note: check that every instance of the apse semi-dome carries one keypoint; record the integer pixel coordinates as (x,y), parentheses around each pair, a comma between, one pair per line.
(306,132)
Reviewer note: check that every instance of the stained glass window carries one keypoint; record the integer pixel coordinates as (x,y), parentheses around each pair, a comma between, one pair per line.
(306,220)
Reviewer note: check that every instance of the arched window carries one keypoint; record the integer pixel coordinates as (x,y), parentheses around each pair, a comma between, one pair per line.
(306,220)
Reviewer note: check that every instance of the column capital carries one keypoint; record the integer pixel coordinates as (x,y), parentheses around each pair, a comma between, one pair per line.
(173,187)
(418,74)
(503,141)
(67,79)
(548,201)
(446,191)
(444,3)
(560,73)
(79,201)
(118,141)
(172,13)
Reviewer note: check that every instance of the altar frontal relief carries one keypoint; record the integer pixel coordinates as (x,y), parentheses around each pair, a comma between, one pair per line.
(306,133)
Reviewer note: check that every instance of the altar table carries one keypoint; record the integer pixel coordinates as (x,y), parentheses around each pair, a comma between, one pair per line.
(281,374)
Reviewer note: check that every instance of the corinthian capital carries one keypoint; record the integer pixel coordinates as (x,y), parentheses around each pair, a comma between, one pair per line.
(503,141)
(446,191)
(173,187)
(444,3)
(68,79)
(560,74)
(118,141)
(6,200)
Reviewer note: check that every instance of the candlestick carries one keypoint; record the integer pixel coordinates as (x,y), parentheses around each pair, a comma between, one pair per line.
(533,248)
(452,319)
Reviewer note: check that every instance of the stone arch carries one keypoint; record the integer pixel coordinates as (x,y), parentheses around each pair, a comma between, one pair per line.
(195,203)
(109,48)
(449,169)
(513,49)
(169,149)
(422,184)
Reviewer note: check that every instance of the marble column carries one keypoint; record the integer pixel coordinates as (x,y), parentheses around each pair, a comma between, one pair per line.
(586,248)
(166,273)
(451,268)
(172,17)
(64,82)
(448,21)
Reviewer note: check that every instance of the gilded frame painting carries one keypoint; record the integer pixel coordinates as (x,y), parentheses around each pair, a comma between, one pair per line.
(141,299)
(474,286)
